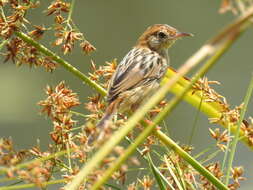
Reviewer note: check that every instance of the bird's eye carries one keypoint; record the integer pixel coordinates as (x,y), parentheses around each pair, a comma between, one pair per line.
(162,35)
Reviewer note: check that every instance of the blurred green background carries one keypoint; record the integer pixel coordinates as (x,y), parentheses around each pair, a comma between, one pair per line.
(113,27)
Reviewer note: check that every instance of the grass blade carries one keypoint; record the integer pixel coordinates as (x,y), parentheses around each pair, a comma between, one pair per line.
(160,179)
(236,138)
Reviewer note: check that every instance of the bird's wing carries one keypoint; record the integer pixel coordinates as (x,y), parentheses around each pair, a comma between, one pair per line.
(137,65)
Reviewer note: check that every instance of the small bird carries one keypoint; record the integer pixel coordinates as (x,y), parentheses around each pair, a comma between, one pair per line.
(140,71)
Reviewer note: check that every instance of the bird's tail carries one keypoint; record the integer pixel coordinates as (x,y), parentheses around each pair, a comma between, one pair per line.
(109,113)
(105,121)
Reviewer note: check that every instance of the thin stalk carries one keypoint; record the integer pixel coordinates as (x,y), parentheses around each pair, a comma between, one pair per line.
(78,114)
(226,152)
(194,127)
(61,61)
(160,179)
(71,10)
(2,180)
(173,175)
(26,164)
(237,134)
(30,185)
(69,154)
(179,173)
(2,14)
(210,156)
(152,166)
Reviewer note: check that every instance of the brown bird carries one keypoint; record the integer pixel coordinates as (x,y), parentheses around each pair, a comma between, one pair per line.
(140,71)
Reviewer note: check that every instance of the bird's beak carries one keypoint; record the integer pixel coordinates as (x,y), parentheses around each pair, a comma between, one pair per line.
(182,34)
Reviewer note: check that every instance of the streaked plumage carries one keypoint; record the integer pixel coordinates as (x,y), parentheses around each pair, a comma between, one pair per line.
(140,71)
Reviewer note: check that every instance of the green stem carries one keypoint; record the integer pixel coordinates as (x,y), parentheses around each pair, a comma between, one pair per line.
(42,159)
(71,10)
(194,127)
(226,152)
(30,185)
(237,133)
(62,62)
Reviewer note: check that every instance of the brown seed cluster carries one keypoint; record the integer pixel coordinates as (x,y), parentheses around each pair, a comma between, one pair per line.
(237,173)
(103,73)
(58,7)
(8,155)
(17,50)
(57,106)
(235,6)
(216,171)
(38,32)
(247,128)
(229,117)
(15,18)
(37,173)
(146,182)
(67,38)
(21,53)
(209,94)
(221,138)
(66,32)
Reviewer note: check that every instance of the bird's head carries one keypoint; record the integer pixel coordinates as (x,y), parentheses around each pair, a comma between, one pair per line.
(160,36)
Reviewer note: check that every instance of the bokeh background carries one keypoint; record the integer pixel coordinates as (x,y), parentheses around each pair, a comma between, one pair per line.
(113,27)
